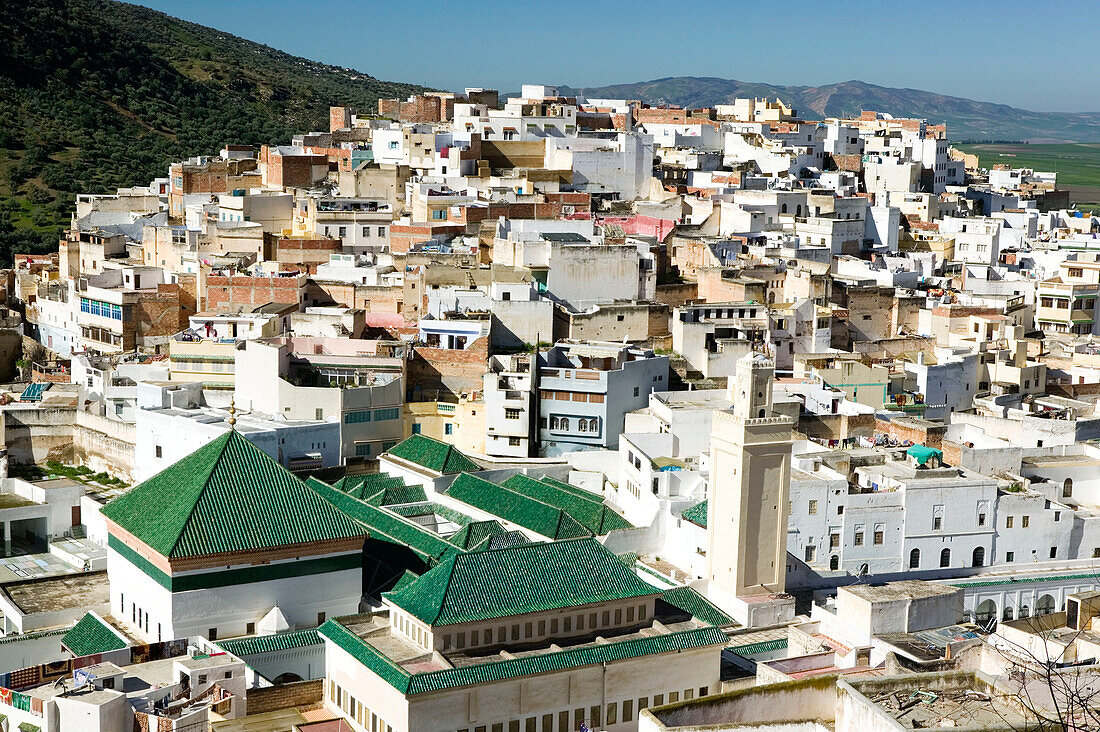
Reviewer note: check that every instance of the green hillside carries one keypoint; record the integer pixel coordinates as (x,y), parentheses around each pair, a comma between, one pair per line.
(96,94)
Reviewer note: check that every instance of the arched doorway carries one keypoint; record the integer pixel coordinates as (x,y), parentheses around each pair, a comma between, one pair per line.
(1045,605)
(1024,611)
(945,558)
(986,612)
(914,559)
(287,678)
(1067,488)
(979,557)
(834,562)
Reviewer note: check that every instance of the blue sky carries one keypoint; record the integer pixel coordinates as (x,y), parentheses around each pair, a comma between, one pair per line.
(1036,55)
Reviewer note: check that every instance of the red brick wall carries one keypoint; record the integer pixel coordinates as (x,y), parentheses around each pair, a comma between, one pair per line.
(229,292)
(929,435)
(160,314)
(304,254)
(339,118)
(440,373)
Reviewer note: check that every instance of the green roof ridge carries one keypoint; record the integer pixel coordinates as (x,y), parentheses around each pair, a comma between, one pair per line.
(691,601)
(518,508)
(92,634)
(387,525)
(271,642)
(590,511)
(433,454)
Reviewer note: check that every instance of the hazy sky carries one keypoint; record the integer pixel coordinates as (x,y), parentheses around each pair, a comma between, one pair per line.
(1036,55)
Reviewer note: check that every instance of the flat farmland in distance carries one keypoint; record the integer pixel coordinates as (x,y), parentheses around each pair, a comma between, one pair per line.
(1077,165)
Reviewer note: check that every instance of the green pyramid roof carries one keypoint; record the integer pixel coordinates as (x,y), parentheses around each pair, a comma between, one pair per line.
(227,496)
(500,583)
(433,454)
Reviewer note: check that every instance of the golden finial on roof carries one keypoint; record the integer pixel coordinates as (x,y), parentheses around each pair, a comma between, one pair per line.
(232,415)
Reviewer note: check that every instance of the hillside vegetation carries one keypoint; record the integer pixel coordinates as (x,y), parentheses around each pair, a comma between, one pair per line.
(966,119)
(96,94)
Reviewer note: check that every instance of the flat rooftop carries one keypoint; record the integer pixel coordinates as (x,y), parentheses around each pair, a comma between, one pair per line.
(697,399)
(967,708)
(375,630)
(901,590)
(1061,461)
(64,592)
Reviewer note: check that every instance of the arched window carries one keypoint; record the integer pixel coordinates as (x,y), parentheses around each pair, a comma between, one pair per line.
(979,557)
(593,425)
(1067,488)
(565,424)
(987,611)
(834,562)
(761,414)
(914,559)
(784,209)
(1024,611)
(1007,614)
(582,425)
(1045,605)
(555,423)
(798,210)
(945,558)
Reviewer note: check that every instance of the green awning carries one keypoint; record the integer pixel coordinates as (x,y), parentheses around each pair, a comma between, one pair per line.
(923,454)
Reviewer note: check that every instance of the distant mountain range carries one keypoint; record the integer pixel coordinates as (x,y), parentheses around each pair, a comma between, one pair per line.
(966,119)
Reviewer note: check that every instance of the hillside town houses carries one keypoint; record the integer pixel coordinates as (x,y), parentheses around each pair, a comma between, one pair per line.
(540,413)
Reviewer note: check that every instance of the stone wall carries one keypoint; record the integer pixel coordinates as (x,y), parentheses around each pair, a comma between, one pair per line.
(104,444)
(40,434)
(285,696)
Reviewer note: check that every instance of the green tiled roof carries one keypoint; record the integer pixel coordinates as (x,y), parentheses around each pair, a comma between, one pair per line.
(405,579)
(426,507)
(528,512)
(501,583)
(397,494)
(505,540)
(587,655)
(385,525)
(380,489)
(696,514)
(433,454)
(690,601)
(226,496)
(588,510)
(476,532)
(761,647)
(91,635)
(1024,579)
(273,642)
